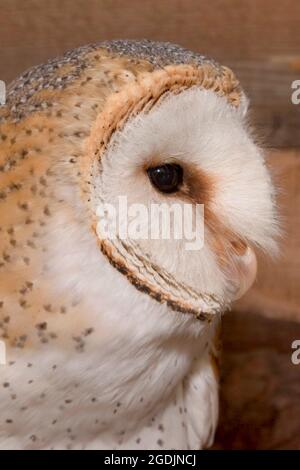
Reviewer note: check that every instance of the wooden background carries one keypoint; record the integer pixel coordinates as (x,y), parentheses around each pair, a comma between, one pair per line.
(260,40)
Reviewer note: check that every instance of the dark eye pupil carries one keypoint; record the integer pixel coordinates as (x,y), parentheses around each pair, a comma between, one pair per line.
(167,178)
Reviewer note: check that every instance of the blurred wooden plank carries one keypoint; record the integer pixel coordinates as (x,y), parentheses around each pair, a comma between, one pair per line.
(259,39)
(260,399)
(268,86)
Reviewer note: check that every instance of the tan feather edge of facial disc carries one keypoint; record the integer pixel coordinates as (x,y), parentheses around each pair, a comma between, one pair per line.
(141,95)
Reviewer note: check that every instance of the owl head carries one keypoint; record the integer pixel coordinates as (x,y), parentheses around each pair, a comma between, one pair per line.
(172,132)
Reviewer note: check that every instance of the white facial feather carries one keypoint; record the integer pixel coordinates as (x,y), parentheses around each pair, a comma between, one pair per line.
(196,127)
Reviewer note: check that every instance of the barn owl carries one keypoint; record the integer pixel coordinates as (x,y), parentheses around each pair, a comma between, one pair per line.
(112,343)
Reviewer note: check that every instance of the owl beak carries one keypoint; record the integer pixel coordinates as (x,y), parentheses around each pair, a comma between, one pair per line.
(247,267)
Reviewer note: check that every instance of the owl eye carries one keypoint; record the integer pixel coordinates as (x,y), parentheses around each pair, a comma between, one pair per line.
(166,178)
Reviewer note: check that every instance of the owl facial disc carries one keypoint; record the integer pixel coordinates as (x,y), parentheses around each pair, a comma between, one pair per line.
(176,133)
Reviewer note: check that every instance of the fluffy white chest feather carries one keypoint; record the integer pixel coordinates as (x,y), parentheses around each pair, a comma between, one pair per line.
(125,391)
(131,373)
(48,406)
